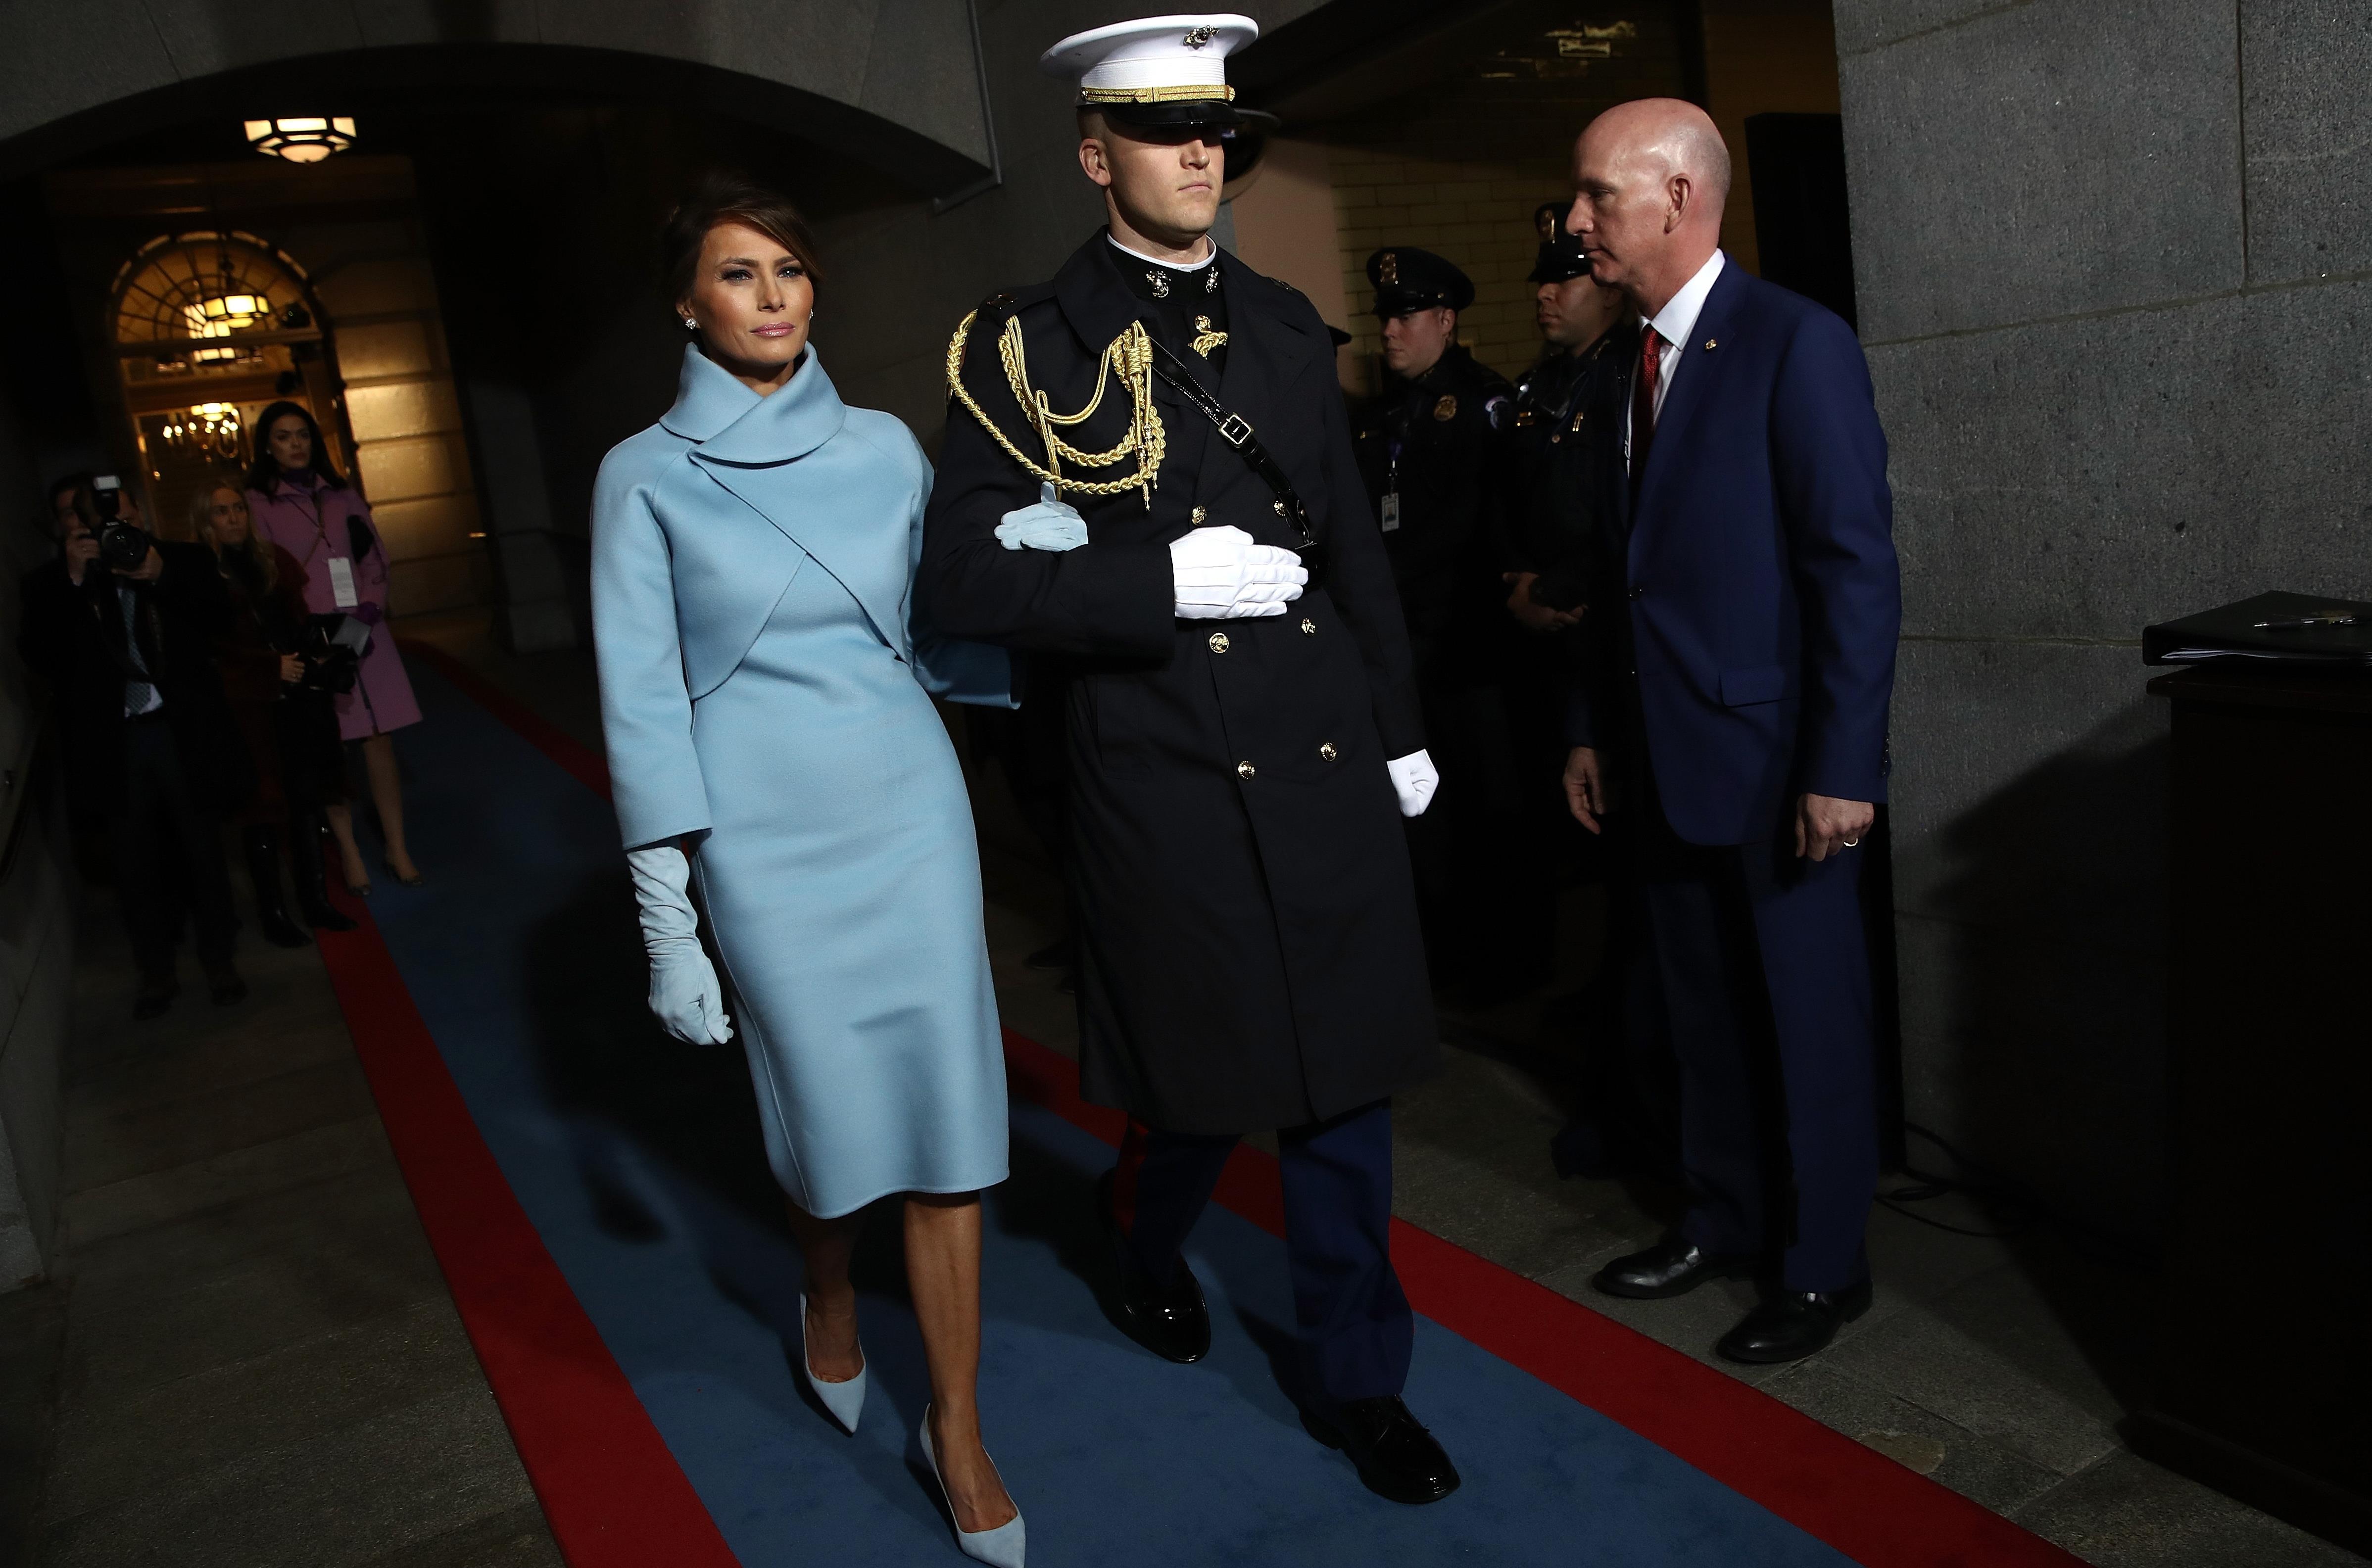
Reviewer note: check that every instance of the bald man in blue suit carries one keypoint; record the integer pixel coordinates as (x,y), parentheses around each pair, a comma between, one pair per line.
(1732,726)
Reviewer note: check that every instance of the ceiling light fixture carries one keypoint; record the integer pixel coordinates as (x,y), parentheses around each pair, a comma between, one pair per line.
(301,139)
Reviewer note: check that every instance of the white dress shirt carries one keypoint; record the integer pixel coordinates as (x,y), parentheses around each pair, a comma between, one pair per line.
(1210,254)
(1673,323)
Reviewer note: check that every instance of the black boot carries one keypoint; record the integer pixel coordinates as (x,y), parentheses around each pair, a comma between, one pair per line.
(262,844)
(313,877)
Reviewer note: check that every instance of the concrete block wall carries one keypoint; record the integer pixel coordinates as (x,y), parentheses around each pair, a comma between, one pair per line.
(1477,214)
(2115,280)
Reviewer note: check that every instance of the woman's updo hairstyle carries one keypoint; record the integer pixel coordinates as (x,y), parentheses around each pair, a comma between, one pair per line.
(719,198)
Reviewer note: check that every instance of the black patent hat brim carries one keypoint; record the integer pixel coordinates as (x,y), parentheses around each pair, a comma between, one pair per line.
(1216,113)
(1554,264)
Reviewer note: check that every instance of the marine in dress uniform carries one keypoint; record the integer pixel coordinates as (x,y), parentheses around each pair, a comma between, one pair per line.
(1428,448)
(1212,599)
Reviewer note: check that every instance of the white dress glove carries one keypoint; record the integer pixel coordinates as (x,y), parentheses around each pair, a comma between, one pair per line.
(1413,780)
(684,993)
(1052,524)
(1220,575)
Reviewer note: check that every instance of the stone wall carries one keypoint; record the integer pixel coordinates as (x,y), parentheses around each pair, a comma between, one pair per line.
(2115,277)
(37,928)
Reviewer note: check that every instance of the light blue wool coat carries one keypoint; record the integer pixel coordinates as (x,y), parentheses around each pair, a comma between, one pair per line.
(764,691)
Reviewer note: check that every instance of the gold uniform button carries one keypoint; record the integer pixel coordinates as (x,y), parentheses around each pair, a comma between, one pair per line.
(1218,642)
(1197,514)
(1277,506)
(1326,750)
(1245,769)
(1308,627)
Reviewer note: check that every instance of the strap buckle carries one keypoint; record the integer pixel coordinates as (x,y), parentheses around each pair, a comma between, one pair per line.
(1235,430)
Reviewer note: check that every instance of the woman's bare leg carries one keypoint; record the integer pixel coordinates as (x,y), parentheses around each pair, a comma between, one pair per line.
(943,1269)
(827,1245)
(350,855)
(386,794)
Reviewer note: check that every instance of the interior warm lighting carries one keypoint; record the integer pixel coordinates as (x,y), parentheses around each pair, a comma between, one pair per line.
(209,430)
(218,316)
(301,138)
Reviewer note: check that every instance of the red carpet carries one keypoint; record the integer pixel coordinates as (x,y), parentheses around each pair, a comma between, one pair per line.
(613,1493)
(615,1496)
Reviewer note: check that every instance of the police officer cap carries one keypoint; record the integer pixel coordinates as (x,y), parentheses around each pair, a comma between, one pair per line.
(1561,256)
(1158,70)
(1407,279)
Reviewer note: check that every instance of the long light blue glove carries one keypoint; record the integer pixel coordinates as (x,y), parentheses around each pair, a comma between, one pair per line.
(684,993)
(1050,525)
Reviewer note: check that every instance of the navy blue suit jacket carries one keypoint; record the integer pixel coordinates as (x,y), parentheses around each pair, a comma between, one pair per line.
(1758,572)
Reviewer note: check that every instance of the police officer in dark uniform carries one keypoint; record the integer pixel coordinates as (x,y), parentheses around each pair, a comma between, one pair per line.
(1563,525)
(1427,447)
(1548,513)
(1549,510)
(1147,487)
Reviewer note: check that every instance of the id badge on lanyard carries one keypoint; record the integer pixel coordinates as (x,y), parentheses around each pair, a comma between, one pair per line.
(1389,506)
(342,568)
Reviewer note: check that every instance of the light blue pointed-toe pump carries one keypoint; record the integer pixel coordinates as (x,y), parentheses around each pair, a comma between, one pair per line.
(999,1548)
(844,1400)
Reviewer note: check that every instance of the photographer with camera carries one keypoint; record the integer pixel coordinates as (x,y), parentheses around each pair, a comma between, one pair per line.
(122,628)
(280,672)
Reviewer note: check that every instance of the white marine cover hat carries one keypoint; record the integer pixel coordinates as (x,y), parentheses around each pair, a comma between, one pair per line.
(1156,70)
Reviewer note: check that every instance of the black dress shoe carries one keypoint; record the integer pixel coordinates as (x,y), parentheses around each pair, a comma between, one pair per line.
(1172,1320)
(155,995)
(224,985)
(1794,1324)
(1397,1456)
(1671,1267)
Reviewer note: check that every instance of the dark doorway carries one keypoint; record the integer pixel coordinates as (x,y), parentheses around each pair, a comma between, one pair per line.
(1797,162)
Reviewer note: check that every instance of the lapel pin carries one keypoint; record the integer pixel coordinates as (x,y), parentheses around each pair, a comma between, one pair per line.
(1712,343)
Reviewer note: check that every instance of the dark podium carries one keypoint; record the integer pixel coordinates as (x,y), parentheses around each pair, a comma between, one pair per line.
(2264,1365)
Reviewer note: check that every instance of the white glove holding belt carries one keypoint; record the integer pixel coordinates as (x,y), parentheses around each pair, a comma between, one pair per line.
(684,993)
(1220,575)
(1413,780)
(1052,524)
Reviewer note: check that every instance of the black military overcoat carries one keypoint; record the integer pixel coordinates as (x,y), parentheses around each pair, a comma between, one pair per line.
(1250,947)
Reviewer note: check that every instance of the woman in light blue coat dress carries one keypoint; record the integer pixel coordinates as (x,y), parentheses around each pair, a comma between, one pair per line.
(766,704)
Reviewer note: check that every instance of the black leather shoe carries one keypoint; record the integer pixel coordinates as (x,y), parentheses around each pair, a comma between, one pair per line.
(1794,1324)
(156,995)
(1172,1320)
(224,985)
(1672,1267)
(1397,1456)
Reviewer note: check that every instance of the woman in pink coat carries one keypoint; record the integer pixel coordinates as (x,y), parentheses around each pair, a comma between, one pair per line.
(301,503)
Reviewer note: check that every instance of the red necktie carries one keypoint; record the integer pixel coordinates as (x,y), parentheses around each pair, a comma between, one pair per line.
(1643,400)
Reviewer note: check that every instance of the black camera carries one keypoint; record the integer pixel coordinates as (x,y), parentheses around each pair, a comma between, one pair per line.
(121,545)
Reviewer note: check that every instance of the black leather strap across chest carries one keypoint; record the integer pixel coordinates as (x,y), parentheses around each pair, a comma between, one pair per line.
(1236,432)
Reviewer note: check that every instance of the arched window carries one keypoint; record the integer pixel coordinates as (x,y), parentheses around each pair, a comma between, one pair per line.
(210,326)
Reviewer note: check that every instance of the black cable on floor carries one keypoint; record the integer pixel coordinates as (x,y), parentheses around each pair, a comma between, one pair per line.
(2021,1208)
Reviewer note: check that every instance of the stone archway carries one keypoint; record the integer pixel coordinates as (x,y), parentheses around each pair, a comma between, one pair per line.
(866,78)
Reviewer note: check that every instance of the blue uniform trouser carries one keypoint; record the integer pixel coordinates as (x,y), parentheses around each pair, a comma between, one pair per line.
(1351,1317)
(1766,990)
